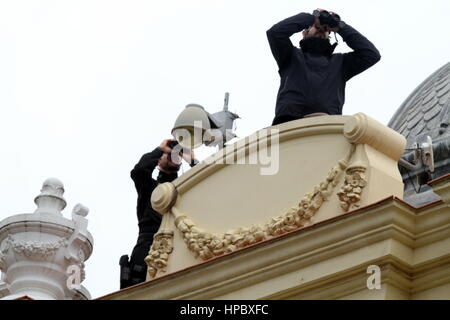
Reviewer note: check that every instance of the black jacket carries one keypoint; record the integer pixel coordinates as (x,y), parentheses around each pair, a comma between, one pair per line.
(315,83)
(148,219)
(134,271)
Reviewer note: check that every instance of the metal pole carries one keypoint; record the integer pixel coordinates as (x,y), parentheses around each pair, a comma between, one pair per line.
(225,103)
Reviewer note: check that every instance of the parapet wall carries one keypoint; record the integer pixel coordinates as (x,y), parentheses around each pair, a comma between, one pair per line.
(279,180)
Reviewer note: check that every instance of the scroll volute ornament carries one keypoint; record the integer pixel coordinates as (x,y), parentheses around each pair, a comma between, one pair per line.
(164,197)
(361,129)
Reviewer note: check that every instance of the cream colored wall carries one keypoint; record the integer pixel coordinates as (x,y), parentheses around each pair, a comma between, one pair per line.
(238,195)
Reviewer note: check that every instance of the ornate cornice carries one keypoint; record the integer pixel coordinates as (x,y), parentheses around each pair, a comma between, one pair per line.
(358,239)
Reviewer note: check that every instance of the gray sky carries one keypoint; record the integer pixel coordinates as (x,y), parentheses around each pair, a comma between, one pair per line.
(87,87)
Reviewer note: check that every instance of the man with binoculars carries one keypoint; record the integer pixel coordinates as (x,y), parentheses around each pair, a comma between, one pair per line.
(312,77)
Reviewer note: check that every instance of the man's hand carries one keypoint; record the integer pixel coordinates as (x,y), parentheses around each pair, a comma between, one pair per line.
(335,29)
(164,146)
(320,27)
(325,27)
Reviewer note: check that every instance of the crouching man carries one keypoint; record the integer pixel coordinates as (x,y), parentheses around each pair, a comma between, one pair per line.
(134,271)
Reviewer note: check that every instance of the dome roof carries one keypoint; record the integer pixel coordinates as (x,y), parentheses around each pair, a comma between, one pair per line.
(427,110)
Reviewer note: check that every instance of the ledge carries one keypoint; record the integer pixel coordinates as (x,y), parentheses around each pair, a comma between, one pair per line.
(441,186)
(266,260)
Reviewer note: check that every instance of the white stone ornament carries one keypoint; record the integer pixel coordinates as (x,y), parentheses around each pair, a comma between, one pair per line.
(51,199)
(38,250)
(79,210)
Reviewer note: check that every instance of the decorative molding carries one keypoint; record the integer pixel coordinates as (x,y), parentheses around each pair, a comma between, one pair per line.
(33,248)
(298,215)
(74,253)
(4,288)
(372,230)
(77,260)
(350,193)
(159,253)
(207,245)
(3,253)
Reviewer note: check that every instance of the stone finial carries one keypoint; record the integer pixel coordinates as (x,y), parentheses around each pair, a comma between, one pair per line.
(79,213)
(79,210)
(51,199)
(53,186)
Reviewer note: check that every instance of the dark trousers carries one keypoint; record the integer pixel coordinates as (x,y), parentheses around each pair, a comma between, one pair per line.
(135,270)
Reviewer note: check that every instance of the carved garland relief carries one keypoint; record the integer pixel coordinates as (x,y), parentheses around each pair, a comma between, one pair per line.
(30,248)
(159,253)
(354,183)
(207,245)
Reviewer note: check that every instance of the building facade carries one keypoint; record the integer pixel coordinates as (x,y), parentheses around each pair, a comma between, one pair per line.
(340,219)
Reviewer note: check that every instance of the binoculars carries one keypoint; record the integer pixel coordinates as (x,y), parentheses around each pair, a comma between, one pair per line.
(173,144)
(326,18)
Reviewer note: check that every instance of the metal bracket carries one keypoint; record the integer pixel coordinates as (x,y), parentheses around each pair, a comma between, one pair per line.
(423,157)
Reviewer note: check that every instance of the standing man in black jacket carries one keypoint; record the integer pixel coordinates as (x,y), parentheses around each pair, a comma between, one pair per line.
(313,78)
(135,270)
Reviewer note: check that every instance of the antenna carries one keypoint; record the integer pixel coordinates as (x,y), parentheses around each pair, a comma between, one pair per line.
(224,121)
(225,102)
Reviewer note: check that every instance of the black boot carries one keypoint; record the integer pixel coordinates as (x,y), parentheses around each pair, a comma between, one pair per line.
(125,272)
